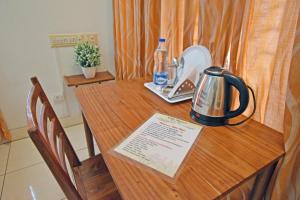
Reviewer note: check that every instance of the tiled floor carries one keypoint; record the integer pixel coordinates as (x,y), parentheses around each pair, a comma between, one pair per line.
(25,176)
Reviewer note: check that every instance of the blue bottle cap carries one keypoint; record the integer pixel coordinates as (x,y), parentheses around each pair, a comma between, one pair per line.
(162,39)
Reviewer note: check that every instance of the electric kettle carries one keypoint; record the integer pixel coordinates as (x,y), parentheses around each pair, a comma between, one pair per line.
(213,95)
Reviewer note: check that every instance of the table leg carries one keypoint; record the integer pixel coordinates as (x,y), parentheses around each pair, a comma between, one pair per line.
(88,137)
(261,182)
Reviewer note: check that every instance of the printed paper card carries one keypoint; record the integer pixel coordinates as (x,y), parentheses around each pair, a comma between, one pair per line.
(161,143)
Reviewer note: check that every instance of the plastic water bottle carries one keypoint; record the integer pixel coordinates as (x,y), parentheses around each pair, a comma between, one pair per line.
(160,73)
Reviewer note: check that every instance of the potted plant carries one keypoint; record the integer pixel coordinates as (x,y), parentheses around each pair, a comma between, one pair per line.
(87,56)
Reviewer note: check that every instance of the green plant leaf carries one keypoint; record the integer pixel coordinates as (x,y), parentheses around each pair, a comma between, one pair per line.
(87,55)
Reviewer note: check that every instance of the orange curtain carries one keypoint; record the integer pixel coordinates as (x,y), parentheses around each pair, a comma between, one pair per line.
(265,56)
(4,133)
(139,24)
(286,185)
(136,32)
(255,39)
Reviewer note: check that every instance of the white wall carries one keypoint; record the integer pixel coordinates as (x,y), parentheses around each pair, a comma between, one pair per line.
(25,49)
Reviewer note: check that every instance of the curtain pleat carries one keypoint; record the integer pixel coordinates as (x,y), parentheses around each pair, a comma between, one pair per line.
(286,182)
(136,32)
(265,55)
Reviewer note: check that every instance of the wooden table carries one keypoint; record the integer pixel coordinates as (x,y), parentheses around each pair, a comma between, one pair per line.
(76,80)
(222,159)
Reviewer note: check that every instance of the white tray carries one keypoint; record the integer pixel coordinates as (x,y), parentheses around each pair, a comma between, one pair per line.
(152,88)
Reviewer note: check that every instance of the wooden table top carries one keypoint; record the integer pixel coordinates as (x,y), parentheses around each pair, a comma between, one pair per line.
(222,158)
(76,80)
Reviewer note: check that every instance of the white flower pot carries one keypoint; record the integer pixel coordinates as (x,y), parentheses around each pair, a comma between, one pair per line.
(89,72)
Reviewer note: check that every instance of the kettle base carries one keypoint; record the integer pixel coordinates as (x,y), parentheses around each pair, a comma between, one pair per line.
(207,120)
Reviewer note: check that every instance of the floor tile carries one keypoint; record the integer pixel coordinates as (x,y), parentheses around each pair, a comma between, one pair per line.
(31,183)
(97,151)
(4,150)
(76,136)
(82,154)
(22,154)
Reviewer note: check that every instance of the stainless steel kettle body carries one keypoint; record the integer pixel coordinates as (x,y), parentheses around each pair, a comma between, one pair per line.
(213,95)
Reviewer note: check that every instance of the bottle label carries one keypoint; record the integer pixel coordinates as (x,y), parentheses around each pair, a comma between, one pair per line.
(161,78)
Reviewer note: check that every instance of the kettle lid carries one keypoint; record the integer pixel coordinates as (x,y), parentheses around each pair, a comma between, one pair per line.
(214,70)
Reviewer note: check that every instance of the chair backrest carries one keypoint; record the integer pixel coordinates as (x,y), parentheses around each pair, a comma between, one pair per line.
(50,139)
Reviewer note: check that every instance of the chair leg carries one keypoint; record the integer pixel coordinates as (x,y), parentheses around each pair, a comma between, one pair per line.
(88,137)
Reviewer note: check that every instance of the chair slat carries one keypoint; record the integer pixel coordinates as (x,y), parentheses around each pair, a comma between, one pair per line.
(31,105)
(53,137)
(43,119)
(61,152)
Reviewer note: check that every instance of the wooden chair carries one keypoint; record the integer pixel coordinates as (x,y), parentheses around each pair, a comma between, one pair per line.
(92,178)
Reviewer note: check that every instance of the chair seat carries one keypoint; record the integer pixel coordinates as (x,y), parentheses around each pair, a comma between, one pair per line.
(94,181)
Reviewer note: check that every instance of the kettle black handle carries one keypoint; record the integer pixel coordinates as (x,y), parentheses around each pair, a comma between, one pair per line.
(240,85)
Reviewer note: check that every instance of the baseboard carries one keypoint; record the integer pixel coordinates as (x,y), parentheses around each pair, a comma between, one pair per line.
(20,133)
